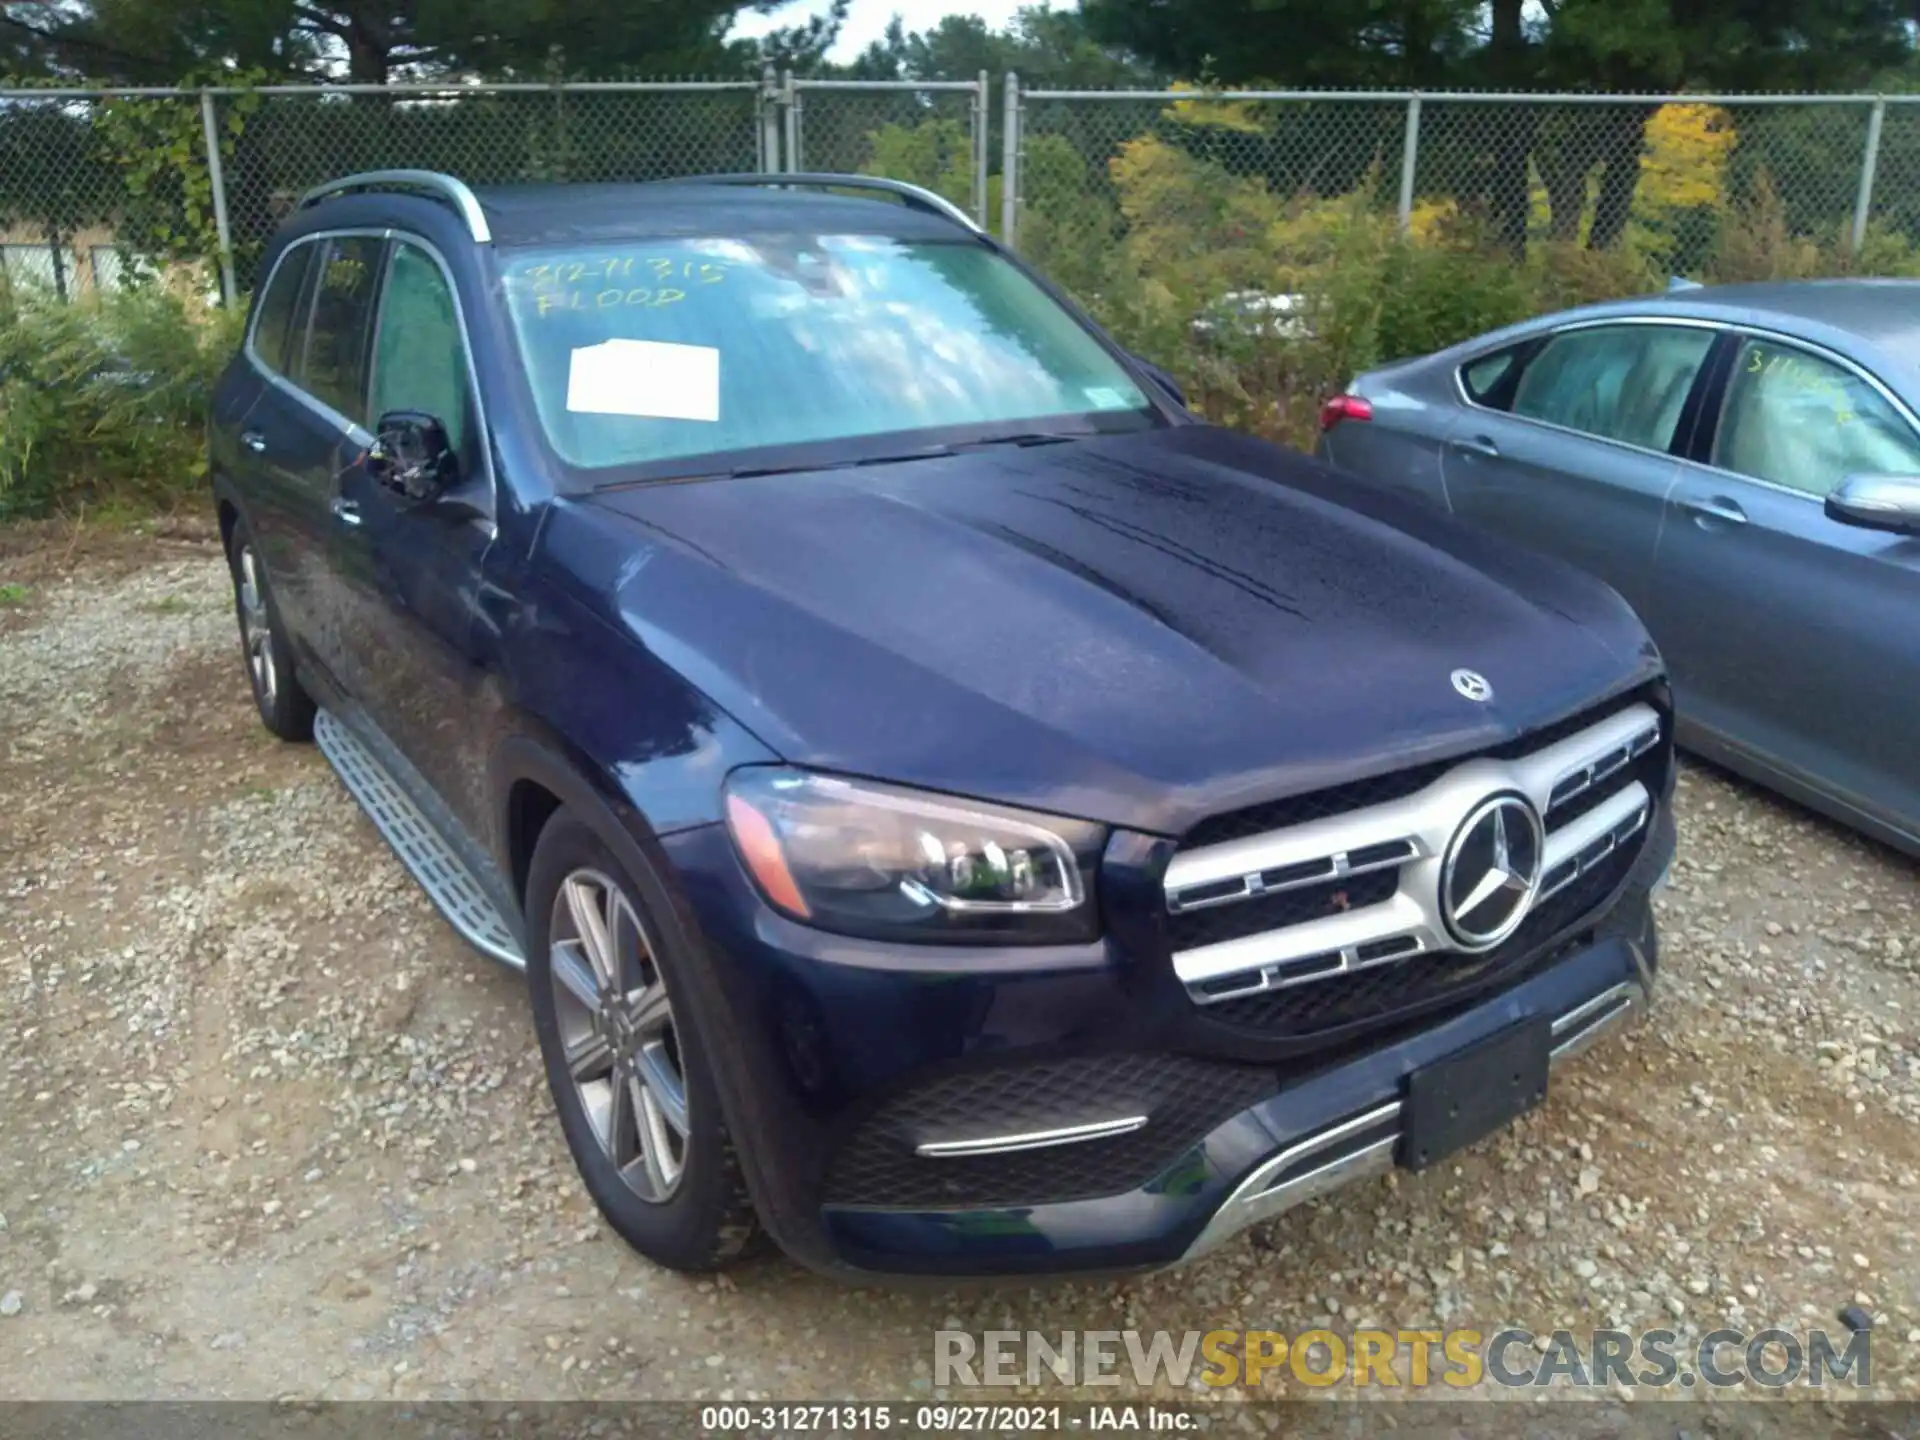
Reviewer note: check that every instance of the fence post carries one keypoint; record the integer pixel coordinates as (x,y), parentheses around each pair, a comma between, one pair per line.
(1868,164)
(1409,159)
(981,141)
(769,122)
(790,98)
(217,180)
(1010,163)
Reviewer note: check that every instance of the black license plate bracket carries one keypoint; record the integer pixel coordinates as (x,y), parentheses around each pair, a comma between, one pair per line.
(1470,1094)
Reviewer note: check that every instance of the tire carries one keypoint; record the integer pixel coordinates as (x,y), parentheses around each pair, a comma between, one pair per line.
(634,1091)
(285,707)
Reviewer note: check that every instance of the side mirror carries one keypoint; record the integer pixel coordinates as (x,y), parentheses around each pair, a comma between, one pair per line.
(412,457)
(1877,502)
(1161,378)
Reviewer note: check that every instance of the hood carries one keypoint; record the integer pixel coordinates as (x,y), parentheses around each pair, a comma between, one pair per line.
(1142,629)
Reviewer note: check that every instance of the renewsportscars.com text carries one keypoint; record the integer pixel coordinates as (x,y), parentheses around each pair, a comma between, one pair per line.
(1409,1359)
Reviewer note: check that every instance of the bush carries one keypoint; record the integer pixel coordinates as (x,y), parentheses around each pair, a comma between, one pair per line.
(103,400)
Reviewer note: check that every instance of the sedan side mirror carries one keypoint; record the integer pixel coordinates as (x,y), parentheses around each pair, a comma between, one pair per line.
(412,457)
(1877,502)
(1164,380)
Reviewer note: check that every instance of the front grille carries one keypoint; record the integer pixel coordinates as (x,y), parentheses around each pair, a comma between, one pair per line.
(1386,993)
(1189,929)
(1183,1098)
(1316,805)
(1336,918)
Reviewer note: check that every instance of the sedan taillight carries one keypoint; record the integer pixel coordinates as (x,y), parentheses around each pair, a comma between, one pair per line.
(1344,407)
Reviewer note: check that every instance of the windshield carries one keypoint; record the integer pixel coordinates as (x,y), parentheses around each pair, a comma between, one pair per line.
(650,352)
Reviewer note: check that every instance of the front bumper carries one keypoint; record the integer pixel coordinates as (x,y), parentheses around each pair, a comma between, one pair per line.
(830,1040)
(1309,1138)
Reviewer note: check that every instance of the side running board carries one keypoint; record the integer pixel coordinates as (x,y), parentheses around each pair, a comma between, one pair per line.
(421,848)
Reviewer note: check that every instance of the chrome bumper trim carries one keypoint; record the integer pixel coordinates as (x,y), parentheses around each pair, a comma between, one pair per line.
(1268,1190)
(1030,1140)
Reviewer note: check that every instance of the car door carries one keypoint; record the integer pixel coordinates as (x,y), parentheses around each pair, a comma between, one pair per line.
(1564,441)
(410,572)
(324,435)
(1791,634)
(285,454)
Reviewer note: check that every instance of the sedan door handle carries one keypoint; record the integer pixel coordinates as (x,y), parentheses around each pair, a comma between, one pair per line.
(346,511)
(1481,445)
(253,440)
(1709,508)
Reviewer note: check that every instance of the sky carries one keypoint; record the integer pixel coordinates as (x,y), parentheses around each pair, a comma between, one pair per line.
(867,19)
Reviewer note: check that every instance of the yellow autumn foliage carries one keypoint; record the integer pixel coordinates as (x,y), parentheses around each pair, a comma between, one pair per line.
(1225,114)
(1684,163)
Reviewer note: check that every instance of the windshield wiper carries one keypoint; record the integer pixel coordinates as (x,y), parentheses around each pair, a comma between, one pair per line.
(1030,438)
(748,472)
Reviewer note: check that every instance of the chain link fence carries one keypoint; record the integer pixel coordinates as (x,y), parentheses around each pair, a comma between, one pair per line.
(96,186)
(1225,191)
(1689,182)
(932,134)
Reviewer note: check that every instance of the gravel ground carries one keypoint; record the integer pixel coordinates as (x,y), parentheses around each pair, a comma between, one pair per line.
(267,1129)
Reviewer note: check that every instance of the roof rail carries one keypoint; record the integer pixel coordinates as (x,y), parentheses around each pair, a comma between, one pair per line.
(916,196)
(427,182)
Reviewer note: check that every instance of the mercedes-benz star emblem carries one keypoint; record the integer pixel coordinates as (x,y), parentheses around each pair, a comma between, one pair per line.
(1491,871)
(1473,685)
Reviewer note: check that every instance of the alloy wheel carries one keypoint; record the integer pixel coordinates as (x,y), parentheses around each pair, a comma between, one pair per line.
(617,1032)
(256,630)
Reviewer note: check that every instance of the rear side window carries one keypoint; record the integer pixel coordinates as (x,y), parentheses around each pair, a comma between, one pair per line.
(1619,382)
(1797,420)
(274,322)
(335,370)
(1484,378)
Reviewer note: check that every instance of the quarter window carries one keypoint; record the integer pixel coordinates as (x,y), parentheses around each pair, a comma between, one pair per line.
(1620,382)
(335,370)
(274,323)
(1797,420)
(420,356)
(1484,377)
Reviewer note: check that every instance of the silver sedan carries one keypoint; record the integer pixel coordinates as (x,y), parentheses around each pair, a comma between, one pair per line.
(1742,463)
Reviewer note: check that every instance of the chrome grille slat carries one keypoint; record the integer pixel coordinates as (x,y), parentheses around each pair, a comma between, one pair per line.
(1418,827)
(1338,866)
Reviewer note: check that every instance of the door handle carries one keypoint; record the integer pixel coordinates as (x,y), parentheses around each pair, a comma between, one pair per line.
(346,511)
(1481,445)
(253,440)
(1709,508)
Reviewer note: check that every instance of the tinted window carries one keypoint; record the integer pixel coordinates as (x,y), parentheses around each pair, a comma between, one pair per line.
(274,319)
(1483,377)
(1620,382)
(1803,422)
(419,357)
(336,362)
(683,347)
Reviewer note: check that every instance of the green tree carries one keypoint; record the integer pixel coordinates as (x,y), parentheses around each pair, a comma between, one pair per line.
(374,41)
(1493,152)
(1046,48)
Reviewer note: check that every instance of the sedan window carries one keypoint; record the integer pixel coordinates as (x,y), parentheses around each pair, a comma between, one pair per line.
(1620,382)
(1797,420)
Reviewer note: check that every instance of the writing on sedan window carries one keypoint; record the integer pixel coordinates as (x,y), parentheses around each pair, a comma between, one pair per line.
(615,282)
(1814,380)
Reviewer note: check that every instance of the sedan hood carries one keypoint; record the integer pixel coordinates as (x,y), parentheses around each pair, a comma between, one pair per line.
(1140,629)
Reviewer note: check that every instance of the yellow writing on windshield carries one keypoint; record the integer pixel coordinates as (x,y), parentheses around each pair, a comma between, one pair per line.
(615,282)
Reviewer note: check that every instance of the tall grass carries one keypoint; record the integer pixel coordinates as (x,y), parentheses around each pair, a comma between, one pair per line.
(103,400)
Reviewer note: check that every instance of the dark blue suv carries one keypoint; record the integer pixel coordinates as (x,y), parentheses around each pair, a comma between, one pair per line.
(958,812)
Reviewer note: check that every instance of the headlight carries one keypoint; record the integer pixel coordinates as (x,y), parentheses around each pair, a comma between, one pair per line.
(868,859)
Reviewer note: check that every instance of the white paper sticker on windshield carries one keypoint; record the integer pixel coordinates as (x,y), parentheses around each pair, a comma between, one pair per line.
(649,378)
